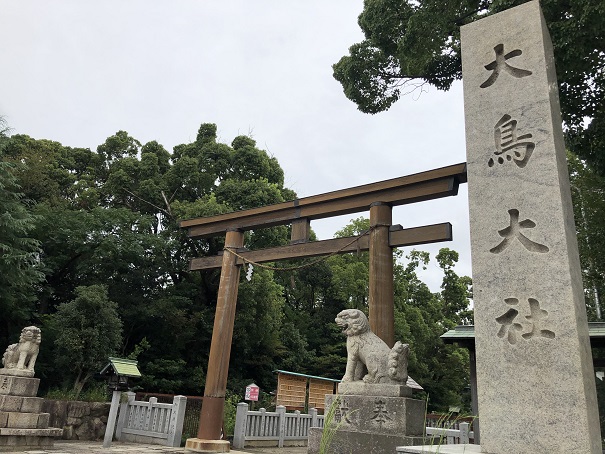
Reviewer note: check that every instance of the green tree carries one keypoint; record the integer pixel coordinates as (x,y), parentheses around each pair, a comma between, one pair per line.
(350,272)
(588,193)
(410,43)
(314,296)
(19,251)
(109,217)
(421,317)
(88,331)
(258,321)
(456,291)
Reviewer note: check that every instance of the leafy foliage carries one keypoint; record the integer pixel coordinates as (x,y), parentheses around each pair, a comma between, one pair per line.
(88,331)
(116,279)
(19,251)
(588,190)
(109,218)
(411,43)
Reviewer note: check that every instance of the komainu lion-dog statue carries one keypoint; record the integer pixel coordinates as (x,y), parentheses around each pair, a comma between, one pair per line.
(19,359)
(368,357)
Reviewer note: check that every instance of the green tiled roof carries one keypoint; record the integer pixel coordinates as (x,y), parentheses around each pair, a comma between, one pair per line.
(460,331)
(126,367)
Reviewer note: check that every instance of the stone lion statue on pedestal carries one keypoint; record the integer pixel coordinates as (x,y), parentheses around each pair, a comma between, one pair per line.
(368,357)
(19,359)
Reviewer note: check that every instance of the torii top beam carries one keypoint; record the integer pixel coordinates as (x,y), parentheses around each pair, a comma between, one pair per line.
(432,184)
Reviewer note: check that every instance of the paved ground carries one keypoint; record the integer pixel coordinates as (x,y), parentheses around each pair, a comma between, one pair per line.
(77,447)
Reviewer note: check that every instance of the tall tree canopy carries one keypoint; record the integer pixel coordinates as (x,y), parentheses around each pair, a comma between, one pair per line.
(109,217)
(409,43)
(19,250)
(103,232)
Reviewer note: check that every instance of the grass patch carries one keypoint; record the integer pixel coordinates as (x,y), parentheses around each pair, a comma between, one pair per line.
(97,393)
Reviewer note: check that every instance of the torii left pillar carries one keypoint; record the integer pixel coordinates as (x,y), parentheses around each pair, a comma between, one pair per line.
(211,417)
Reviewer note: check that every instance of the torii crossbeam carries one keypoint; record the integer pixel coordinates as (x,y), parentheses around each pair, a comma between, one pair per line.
(378,198)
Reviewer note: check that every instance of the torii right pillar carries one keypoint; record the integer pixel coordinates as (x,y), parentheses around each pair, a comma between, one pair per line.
(535,379)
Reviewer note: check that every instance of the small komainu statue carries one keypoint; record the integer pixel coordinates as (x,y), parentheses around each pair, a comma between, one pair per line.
(368,357)
(19,359)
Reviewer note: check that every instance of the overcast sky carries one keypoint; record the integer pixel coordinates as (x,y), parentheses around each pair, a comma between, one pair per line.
(77,71)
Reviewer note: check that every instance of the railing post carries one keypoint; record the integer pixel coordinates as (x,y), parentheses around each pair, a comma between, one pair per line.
(313,413)
(177,417)
(124,413)
(297,423)
(464,429)
(262,432)
(241,419)
(281,410)
(150,405)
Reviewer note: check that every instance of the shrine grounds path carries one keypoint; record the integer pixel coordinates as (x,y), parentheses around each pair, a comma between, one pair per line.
(78,447)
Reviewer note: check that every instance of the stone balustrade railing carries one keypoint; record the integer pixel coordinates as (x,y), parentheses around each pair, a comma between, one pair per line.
(151,422)
(463,435)
(278,426)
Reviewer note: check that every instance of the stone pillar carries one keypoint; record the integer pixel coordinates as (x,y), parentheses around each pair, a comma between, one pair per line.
(241,418)
(381,298)
(536,386)
(177,418)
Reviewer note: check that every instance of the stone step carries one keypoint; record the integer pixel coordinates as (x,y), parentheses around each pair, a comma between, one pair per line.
(48,432)
(16,420)
(21,404)
(12,439)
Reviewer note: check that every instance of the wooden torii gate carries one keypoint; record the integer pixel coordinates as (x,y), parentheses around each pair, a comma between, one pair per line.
(378,197)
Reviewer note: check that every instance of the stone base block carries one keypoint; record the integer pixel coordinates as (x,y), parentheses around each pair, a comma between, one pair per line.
(17,372)
(12,440)
(400,416)
(199,445)
(49,432)
(360,388)
(346,442)
(19,386)
(17,420)
(20,403)
(15,443)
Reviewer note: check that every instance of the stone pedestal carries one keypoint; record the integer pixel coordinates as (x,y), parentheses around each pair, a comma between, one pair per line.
(22,424)
(365,424)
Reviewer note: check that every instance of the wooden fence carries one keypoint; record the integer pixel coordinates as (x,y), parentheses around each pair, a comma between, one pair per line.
(278,426)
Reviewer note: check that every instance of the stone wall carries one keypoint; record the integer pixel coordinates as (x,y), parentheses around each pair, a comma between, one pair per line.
(79,420)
